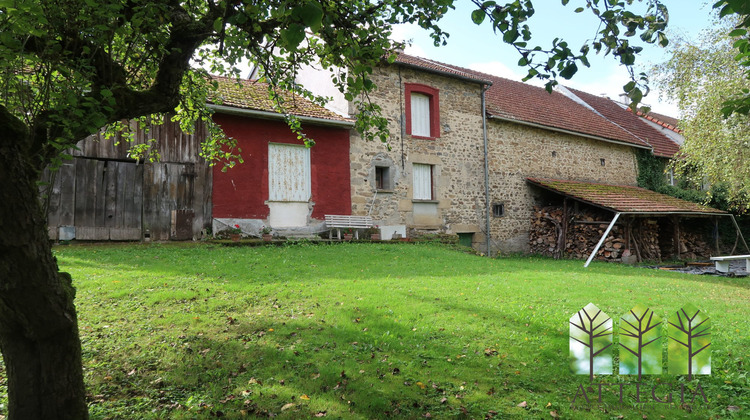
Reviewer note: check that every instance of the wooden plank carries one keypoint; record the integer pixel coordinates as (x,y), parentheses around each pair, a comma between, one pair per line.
(85,192)
(110,182)
(92,233)
(100,195)
(125,234)
(134,215)
(67,185)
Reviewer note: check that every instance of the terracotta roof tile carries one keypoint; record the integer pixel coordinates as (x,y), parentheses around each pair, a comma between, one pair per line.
(252,94)
(530,104)
(663,146)
(663,120)
(439,67)
(622,198)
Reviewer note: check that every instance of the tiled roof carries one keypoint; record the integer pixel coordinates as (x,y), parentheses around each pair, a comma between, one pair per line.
(663,120)
(523,102)
(530,104)
(252,94)
(662,145)
(436,66)
(622,198)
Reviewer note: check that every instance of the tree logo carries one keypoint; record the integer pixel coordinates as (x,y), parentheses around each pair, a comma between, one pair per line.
(640,342)
(688,330)
(640,337)
(590,338)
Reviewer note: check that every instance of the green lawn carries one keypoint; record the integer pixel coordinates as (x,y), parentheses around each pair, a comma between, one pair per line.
(375,331)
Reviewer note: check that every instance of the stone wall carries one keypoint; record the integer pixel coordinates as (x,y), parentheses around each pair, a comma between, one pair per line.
(518,152)
(456,155)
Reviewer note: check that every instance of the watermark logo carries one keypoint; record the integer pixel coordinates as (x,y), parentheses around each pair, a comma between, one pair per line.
(640,342)
(591,342)
(689,352)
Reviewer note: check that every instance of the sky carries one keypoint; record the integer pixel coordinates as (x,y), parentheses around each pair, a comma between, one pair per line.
(478,48)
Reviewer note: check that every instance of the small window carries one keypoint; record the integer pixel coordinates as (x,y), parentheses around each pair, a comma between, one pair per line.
(603,161)
(423,186)
(498,210)
(422,111)
(383,178)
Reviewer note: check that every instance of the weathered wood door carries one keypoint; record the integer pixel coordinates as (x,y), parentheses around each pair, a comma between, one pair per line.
(289,184)
(102,199)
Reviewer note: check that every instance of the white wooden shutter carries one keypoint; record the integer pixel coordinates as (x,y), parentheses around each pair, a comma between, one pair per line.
(420,115)
(288,172)
(422,181)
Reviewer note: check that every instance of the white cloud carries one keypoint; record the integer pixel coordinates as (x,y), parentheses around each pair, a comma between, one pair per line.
(497,68)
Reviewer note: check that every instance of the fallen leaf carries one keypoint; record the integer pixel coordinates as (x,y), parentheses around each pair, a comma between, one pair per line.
(421,385)
(554,414)
(320,414)
(443,400)
(523,404)
(733,408)
(304,397)
(287,406)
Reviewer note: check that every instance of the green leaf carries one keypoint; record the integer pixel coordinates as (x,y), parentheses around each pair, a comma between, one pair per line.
(579,10)
(477,16)
(629,86)
(312,15)
(569,71)
(510,36)
(738,32)
(293,35)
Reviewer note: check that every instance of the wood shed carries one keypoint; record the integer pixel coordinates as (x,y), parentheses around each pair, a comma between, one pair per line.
(614,222)
(102,194)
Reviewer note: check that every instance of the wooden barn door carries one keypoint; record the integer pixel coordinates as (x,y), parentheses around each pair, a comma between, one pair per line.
(107,199)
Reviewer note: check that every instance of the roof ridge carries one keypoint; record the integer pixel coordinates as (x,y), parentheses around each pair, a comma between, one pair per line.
(587,105)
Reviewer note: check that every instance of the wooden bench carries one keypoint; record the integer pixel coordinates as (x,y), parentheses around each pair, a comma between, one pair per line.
(722,263)
(335,221)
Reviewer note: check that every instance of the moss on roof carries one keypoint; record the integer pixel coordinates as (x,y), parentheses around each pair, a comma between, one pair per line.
(252,94)
(622,198)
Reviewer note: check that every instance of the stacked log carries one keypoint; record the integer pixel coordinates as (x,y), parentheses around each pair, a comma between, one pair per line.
(584,230)
(693,246)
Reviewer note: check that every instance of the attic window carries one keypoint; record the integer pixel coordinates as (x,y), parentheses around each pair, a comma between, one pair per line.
(422,111)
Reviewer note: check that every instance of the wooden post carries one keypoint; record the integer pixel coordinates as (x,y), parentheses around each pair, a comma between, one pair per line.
(676,223)
(564,239)
(716,235)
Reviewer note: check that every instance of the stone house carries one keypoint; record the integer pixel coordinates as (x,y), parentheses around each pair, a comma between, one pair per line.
(464,144)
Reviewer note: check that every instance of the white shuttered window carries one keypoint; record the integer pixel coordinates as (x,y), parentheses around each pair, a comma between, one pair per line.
(288,172)
(420,115)
(422,181)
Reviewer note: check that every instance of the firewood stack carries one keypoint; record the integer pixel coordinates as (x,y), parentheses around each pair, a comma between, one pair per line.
(585,229)
(693,246)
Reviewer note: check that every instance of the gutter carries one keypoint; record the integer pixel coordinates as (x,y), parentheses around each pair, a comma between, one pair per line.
(231,110)
(574,133)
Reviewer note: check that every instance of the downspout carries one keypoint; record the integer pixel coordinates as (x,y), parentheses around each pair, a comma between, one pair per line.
(402,117)
(486,172)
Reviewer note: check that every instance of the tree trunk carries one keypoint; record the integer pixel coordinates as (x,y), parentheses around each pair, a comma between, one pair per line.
(38,325)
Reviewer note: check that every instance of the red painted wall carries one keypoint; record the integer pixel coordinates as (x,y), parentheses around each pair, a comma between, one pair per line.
(241,192)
